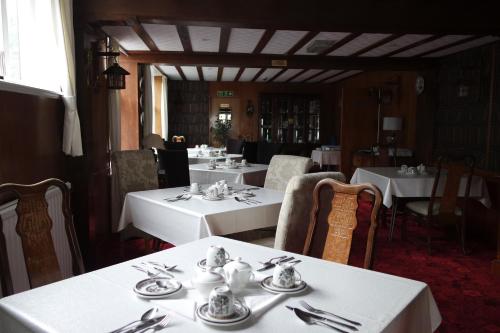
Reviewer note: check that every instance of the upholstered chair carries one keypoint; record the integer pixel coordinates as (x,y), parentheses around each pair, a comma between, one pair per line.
(295,212)
(282,168)
(153,141)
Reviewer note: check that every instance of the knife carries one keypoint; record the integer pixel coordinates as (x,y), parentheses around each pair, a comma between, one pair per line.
(320,318)
(271,265)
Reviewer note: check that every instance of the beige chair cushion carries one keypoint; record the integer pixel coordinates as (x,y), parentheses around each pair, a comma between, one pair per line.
(153,141)
(295,211)
(282,168)
(267,242)
(422,208)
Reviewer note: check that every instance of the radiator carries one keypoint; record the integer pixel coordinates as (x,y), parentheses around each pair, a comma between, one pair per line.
(13,241)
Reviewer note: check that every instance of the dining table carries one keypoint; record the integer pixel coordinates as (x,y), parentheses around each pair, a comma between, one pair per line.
(103,300)
(186,220)
(332,156)
(197,159)
(250,174)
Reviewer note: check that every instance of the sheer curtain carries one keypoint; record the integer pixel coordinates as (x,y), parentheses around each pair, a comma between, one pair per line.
(148,100)
(164,107)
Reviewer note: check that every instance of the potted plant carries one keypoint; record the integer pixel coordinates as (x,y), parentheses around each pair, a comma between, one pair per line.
(220,131)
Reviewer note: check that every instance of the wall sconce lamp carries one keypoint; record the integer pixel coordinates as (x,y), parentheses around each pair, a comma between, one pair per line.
(115,75)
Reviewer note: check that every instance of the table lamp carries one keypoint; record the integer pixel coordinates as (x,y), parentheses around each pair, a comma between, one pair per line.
(392,124)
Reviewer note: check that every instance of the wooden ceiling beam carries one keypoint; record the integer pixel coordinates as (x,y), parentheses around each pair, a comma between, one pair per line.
(265,60)
(413,45)
(317,74)
(271,79)
(303,41)
(331,77)
(465,40)
(139,30)
(294,76)
(237,77)
(181,72)
(259,73)
(219,73)
(200,73)
(377,44)
(224,39)
(263,41)
(444,16)
(183,32)
(340,43)
(161,71)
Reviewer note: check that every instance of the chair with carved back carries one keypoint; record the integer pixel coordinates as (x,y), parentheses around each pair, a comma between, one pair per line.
(34,226)
(446,209)
(334,243)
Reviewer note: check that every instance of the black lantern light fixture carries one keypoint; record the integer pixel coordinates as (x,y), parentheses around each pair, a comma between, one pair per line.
(115,75)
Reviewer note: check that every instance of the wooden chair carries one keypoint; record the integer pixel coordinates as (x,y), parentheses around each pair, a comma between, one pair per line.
(34,228)
(445,209)
(173,168)
(342,221)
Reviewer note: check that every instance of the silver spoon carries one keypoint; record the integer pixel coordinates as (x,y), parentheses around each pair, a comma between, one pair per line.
(311,321)
(166,267)
(150,314)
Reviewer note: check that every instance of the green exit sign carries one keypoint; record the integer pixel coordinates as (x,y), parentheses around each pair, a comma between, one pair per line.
(225,93)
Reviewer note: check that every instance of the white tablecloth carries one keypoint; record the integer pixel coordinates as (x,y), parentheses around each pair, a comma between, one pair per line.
(326,157)
(392,184)
(195,159)
(185,221)
(255,174)
(103,300)
(204,151)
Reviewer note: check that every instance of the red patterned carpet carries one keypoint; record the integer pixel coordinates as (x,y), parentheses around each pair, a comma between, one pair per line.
(466,292)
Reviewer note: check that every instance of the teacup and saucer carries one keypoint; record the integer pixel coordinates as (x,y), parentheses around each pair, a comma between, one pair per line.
(222,308)
(285,279)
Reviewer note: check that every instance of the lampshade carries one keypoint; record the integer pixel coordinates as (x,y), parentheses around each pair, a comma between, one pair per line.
(116,76)
(392,124)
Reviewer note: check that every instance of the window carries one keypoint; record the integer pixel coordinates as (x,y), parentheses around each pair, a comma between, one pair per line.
(31,43)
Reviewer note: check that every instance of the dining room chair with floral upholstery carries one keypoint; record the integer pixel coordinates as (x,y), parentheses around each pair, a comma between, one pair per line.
(332,237)
(283,167)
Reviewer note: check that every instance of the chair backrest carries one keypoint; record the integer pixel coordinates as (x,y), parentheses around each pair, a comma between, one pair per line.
(234,146)
(283,167)
(178,138)
(34,227)
(175,146)
(456,169)
(296,208)
(174,164)
(153,141)
(342,220)
(250,151)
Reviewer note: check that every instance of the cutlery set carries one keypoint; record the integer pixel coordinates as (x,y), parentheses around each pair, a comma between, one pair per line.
(145,323)
(183,196)
(314,318)
(247,201)
(275,261)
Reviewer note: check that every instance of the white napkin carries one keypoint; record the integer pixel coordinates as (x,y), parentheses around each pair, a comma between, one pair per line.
(259,304)
(183,307)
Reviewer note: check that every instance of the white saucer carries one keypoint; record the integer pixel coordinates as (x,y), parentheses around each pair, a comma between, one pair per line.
(203,264)
(240,315)
(217,198)
(268,285)
(149,289)
(232,167)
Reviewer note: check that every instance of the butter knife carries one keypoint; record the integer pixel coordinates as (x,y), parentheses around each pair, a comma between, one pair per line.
(320,318)
(271,265)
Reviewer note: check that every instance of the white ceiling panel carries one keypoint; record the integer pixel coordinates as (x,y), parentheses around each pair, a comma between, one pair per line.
(267,74)
(204,39)
(287,74)
(357,44)
(306,75)
(164,36)
(325,75)
(229,73)
(210,73)
(190,72)
(282,41)
(445,40)
(394,45)
(248,74)
(126,37)
(171,72)
(322,36)
(343,76)
(464,46)
(244,40)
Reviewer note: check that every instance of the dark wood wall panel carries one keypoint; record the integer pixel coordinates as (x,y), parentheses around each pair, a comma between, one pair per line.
(30,138)
(188,106)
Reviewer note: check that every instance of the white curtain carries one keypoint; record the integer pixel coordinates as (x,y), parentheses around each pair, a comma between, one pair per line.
(72,138)
(164,108)
(148,101)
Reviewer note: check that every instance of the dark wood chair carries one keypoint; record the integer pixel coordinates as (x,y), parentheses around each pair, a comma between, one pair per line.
(173,166)
(342,221)
(446,209)
(34,228)
(234,146)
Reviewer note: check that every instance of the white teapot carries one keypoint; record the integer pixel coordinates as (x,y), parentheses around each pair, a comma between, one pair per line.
(206,280)
(237,274)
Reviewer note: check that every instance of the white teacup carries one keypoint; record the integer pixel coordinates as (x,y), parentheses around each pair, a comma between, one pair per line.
(197,146)
(213,192)
(244,162)
(411,171)
(228,161)
(216,256)
(285,275)
(221,302)
(404,168)
(195,188)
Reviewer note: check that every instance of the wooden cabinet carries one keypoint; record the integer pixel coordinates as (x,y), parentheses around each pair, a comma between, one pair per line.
(287,118)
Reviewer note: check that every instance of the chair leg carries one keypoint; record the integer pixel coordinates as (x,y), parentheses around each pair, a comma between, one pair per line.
(404,225)
(429,238)
(463,236)
(393,217)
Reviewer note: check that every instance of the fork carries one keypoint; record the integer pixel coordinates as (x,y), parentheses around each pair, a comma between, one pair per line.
(318,311)
(151,274)
(168,268)
(157,326)
(177,198)
(270,261)
(160,269)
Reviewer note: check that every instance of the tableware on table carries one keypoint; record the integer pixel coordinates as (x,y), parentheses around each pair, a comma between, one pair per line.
(241,314)
(157,287)
(228,161)
(151,274)
(176,198)
(411,171)
(269,265)
(244,162)
(422,169)
(267,284)
(285,275)
(237,274)
(156,326)
(195,188)
(197,146)
(213,198)
(319,311)
(158,268)
(226,190)
(221,302)
(216,256)
(203,146)
(404,168)
(165,267)
(242,200)
(149,314)
(206,280)
(312,321)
